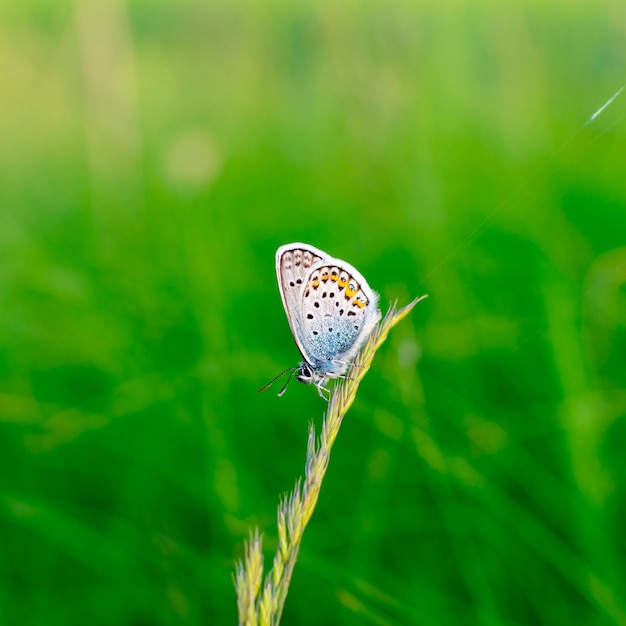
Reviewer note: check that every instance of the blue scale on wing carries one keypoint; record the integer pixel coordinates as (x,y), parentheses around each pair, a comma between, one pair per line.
(331,323)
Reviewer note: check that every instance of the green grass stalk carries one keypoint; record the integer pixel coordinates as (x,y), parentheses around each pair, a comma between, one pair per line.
(264,606)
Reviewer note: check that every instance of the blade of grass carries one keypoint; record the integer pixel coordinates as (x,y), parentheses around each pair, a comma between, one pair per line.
(295,510)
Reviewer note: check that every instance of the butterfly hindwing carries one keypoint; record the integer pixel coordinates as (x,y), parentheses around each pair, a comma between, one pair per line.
(335,308)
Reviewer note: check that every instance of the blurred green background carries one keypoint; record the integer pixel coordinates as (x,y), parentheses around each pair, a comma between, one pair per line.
(154,155)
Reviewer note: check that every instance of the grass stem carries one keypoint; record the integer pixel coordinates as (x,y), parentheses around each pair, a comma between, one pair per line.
(264,606)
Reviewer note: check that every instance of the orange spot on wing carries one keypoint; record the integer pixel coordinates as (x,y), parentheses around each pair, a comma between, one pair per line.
(358,303)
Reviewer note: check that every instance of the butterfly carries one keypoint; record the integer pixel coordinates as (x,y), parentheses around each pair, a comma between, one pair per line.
(330,308)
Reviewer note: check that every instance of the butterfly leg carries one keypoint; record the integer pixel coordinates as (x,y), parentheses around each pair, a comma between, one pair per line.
(321,389)
(345,364)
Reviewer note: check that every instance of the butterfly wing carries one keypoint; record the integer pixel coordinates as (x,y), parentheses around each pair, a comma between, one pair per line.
(293,267)
(339,311)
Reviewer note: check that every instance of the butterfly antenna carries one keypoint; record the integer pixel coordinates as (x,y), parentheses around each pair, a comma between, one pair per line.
(289,369)
(293,373)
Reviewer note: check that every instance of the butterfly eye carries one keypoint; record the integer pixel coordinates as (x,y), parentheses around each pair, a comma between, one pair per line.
(305,375)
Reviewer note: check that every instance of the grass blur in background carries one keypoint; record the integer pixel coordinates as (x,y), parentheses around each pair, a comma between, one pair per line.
(155,154)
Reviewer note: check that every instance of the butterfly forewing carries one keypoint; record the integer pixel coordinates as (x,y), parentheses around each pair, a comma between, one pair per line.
(293,267)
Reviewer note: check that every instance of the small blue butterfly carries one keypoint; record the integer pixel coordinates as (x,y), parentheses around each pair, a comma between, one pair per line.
(331,311)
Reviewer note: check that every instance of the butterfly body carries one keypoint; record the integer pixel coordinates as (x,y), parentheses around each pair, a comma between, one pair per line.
(330,308)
